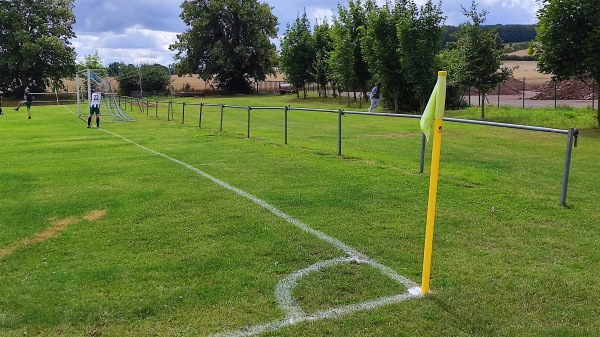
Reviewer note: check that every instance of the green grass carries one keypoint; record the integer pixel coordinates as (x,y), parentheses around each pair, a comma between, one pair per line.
(177,255)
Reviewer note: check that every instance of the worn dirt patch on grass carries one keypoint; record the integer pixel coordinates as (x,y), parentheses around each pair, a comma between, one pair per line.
(95,215)
(56,227)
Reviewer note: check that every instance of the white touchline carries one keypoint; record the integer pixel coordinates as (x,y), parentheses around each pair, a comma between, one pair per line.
(283,292)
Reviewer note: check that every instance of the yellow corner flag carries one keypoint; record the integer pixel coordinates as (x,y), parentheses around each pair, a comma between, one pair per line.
(433,110)
(432,121)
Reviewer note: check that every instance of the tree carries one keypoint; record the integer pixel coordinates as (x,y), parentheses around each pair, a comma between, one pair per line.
(356,20)
(478,55)
(341,58)
(146,77)
(227,42)
(91,62)
(420,41)
(298,54)
(350,23)
(114,68)
(568,40)
(35,47)
(382,50)
(323,47)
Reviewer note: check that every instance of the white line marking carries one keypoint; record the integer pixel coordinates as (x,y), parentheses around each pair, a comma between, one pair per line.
(283,291)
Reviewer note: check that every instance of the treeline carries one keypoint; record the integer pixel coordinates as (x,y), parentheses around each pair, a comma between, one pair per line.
(508,33)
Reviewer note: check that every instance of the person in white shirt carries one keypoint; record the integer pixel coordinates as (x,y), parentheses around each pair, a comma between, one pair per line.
(374,97)
(95,107)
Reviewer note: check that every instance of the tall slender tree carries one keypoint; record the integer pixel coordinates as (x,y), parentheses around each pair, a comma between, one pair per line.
(478,55)
(298,54)
(382,50)
(347,35)
(357,21)
(420,41)
(323,47)
(341,58)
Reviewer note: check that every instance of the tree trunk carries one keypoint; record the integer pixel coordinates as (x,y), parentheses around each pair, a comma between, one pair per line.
(482,101)
(396,91)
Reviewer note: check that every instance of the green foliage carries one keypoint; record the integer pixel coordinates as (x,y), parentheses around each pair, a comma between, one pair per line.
(400,44)
(298,54)
(35,43)
(568,40)
(227,42)
(323,47)
(508,33)
(347,60)
(519,58)
(356,19)
(382,53)
(341,58)
(477,56)
(146,77)
(512,47)
(114,68)
(91,62)
(419,37)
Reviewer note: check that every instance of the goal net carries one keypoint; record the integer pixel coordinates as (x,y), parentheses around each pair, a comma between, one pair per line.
(87,81)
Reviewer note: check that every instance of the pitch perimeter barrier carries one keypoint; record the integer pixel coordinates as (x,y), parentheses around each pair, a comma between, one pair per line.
(572,133)
(54,97)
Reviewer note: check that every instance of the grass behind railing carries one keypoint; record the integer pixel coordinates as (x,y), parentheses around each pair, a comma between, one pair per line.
(176,254)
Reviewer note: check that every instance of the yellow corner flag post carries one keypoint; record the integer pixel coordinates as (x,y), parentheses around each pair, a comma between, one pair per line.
(432,120)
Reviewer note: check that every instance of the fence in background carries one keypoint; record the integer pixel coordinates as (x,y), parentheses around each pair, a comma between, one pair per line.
(524,94)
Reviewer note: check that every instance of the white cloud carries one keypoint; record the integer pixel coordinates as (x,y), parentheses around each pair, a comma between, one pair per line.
(319,13)
(134,45)
(140,31)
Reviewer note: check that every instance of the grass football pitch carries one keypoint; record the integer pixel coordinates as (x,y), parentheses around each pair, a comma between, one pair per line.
(162,228)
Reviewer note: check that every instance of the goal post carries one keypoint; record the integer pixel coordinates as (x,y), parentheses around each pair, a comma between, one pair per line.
(87,81)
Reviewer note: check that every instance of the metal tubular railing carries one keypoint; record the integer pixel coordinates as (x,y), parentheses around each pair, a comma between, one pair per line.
(572,133)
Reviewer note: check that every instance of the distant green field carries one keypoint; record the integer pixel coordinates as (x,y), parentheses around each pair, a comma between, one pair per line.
(162,228)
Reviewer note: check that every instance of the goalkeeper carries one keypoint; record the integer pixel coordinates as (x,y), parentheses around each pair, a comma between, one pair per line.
(95,107)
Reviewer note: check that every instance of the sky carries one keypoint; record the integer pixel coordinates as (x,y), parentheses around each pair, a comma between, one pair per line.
(140,31)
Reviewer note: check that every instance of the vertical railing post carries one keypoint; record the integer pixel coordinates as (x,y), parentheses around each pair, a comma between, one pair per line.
(286,124)
(249,109)
(183,113)
(572,133)
(340,113)
(147,106)
(169,110)
(222,108)
(156,109)
(200,116)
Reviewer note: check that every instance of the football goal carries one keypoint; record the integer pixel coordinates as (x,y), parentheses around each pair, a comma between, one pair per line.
(87,81)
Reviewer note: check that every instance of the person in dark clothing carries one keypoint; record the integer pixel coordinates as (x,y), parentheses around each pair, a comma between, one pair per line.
(374,97)
(27,99)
